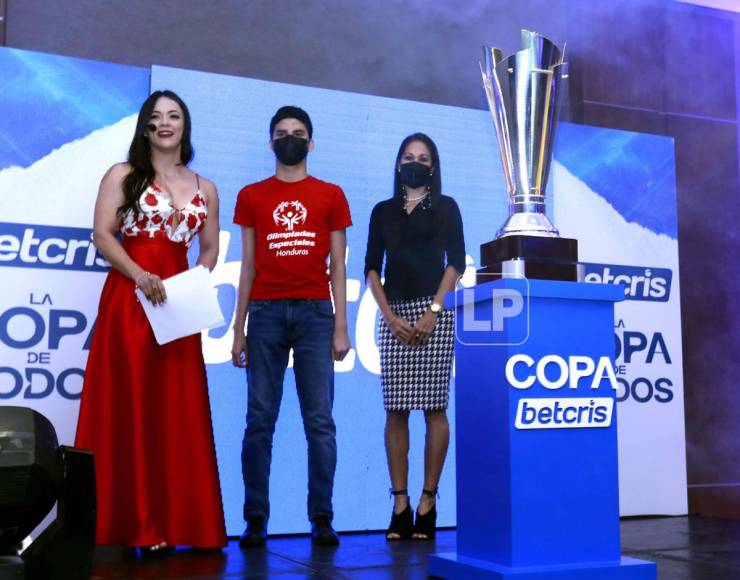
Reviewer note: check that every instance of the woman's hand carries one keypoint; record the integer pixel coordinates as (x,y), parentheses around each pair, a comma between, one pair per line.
(152,287)
(400,328)
(424,327)
(239,350)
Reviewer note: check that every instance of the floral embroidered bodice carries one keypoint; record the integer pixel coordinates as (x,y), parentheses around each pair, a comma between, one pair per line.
(159,217)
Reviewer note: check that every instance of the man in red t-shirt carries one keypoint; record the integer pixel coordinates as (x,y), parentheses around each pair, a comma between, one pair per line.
(291,223)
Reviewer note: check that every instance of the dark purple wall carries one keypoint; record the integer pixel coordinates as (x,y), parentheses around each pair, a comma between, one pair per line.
(677,72)
(655,66)
(2,22)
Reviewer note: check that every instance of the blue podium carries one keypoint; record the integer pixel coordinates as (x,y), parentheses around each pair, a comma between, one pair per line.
(536,435)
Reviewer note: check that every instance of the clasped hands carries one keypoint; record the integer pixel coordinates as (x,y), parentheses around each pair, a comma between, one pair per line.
(413,334)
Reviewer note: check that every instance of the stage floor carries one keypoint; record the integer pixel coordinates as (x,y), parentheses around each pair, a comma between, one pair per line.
(685,548)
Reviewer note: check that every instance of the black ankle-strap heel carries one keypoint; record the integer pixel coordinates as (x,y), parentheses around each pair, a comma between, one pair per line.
(401,523)
(426,524)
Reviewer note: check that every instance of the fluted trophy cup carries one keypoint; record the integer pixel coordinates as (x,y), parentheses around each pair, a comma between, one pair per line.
(524,92)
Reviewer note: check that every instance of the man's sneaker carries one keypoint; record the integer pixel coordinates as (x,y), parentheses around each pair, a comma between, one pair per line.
(255,536)
(322,534)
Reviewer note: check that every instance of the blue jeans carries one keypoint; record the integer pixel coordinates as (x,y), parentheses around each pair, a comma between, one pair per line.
(273,328)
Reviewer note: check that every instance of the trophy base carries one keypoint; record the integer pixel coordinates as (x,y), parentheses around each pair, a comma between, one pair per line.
(535,257)
(532,269)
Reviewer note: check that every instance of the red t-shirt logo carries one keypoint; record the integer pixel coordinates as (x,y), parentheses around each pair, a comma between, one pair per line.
(291,250)
(290,214)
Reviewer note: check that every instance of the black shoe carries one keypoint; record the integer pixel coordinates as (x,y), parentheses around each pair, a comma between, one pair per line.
(402,523)
(322,534)
(426,524)
(255,536)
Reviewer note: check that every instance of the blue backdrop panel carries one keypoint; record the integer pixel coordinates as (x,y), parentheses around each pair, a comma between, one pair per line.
(634,172)
(50,100)
(356,140)
(356,137)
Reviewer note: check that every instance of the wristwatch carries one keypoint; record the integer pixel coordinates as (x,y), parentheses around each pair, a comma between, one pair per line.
(435,307)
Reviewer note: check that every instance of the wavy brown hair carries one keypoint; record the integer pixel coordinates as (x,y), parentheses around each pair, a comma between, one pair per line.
(140,152)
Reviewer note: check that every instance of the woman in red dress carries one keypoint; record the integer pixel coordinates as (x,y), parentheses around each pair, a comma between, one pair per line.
(145,411)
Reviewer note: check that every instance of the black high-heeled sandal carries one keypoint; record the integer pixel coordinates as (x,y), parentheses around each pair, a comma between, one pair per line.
(426,524)
(401,523)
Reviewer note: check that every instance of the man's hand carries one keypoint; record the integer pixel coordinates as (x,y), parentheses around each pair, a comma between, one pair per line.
(239,350)
(340,344)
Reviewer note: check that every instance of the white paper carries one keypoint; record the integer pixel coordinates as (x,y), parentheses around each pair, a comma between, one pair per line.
(191,306)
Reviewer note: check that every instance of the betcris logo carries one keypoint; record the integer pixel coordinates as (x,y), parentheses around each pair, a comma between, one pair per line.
(640,283)
(553,372)
(564,413)
(50,247)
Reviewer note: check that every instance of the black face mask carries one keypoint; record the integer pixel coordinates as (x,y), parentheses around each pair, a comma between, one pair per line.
(415,174)
(290,150)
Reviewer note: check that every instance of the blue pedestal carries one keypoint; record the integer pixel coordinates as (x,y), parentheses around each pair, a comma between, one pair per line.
(537,480)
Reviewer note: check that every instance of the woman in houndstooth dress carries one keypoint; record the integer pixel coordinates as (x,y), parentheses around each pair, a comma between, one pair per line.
(419,233)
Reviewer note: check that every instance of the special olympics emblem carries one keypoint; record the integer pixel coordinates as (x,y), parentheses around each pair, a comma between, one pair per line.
(290,214)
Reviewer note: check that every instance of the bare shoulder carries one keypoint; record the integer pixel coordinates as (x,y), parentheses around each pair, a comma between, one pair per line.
(208,188)
(112,182)
(117,172)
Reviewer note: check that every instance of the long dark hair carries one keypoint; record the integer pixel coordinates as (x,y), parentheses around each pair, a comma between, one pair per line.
(139,153)
(435,187)
(395,225)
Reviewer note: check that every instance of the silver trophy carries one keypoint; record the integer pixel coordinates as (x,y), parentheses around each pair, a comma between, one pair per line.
(524,93)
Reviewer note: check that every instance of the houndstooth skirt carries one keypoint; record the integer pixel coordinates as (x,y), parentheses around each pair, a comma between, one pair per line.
(416,377)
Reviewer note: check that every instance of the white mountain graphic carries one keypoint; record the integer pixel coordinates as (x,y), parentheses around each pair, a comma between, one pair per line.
(60,188)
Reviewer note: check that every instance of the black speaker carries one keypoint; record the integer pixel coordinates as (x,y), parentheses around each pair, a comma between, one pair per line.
(30,473)
(64,550)
(35,472)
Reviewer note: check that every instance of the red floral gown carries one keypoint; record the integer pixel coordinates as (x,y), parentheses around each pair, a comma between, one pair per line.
(145,411)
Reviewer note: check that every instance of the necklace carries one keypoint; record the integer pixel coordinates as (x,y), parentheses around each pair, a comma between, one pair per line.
(422,196)
(424,199)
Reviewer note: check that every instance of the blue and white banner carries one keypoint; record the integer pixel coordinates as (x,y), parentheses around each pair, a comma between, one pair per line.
(65,122)
(615,191)
(73,119)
